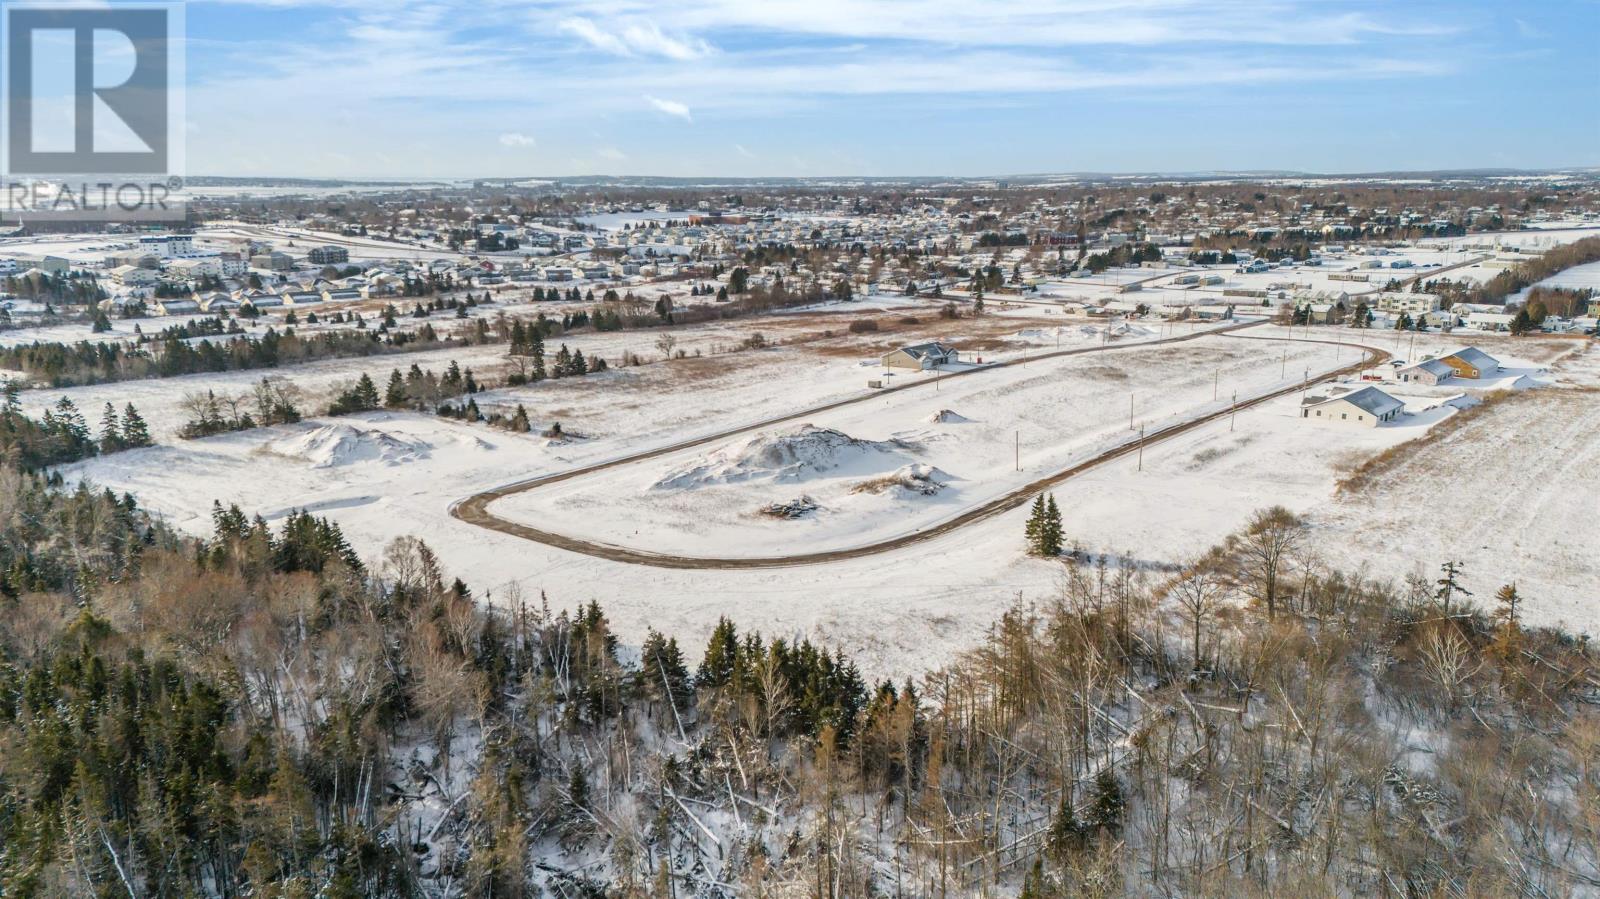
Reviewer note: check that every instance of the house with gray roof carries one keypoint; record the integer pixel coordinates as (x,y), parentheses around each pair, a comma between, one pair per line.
(1364,406)
(1429,372)
(922,356)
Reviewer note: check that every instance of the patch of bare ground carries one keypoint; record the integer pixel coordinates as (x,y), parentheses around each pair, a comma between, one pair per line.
(892,330)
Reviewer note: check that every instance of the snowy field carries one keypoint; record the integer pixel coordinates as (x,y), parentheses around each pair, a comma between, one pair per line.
(384,475)
(1579,277)
(883,469)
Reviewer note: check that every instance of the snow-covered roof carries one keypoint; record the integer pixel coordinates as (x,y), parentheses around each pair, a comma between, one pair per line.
(1475,357)
(1369,399)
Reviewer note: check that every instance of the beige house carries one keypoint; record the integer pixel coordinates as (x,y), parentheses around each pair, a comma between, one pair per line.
(921,357)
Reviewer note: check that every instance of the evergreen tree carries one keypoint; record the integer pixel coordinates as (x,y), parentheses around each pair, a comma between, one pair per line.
(1449,584)
(1109,805)
(1066,833)
(395,396)
(367,392)
(1043,531)
(720,662)
(135,433)
(110,430)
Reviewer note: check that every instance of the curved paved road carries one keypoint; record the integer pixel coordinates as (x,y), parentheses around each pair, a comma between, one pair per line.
(475,509)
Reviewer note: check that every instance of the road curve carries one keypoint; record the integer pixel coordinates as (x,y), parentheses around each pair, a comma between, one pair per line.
(475,509)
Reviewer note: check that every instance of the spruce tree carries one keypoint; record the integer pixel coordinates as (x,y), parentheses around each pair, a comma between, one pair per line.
(1107,809)
(366,392)
(135,433)
(1052,527)
(395,396)
(110,430)
(1035,526)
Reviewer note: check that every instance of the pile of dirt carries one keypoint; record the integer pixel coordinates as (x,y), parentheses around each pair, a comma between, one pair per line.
(916,478)
(948,417)
(799,507)
(785,456)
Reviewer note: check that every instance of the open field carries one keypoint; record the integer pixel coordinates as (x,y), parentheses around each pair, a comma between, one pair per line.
(388,474)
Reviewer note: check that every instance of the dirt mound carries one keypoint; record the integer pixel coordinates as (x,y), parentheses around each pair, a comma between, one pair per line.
(923,480)
(786,456)
(948,417)
(799,507)
(331,446)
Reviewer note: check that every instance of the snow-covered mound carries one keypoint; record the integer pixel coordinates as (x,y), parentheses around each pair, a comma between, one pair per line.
(917,478)
(948,417)
(790,455)
(329,446)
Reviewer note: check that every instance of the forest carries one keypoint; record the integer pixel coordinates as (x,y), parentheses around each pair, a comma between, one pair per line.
(267,712)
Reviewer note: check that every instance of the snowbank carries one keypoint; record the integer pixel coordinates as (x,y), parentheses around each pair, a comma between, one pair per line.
(333,445)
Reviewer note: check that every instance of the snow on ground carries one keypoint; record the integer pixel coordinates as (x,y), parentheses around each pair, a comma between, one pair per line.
(1579,277)
(1026,421)
(1512,494)
(385,474)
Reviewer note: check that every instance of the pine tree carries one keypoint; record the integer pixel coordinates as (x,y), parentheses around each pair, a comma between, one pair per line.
(395,396)
(135,433)
(1043,530)
(367,392)
(520,422)
(1449,585)
(1052,527)
(1106,811)
(1035,526)
(720,662)
(110,430)
(1066,834)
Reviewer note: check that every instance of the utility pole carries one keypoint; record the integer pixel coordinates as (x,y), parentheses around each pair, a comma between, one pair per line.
(1018,452)
(1285,372)
(1216,380)
(1233,412)
(1130,411)
(1141,447)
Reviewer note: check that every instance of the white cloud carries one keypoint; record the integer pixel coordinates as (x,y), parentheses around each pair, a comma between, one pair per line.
(642,38)
(611,153)
(743,152)
(517,139)
(670,107)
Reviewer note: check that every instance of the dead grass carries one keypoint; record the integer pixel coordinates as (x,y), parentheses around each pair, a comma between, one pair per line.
(1368,472)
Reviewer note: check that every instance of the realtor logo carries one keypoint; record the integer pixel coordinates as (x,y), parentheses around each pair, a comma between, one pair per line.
(93,116)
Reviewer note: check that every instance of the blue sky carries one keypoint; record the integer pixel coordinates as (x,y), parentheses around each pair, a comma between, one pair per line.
(456,88)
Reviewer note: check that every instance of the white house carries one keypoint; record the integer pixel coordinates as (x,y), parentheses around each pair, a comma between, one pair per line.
(1364,406)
